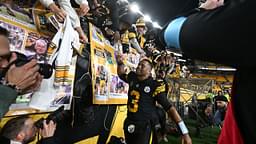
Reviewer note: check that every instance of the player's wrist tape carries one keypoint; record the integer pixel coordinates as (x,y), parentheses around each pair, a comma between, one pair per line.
(182,127)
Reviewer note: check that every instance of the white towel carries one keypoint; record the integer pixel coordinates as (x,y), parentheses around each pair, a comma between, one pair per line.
(61,51)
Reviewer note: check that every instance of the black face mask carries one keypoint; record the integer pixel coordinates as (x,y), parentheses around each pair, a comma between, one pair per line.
(2,73)
(4,70)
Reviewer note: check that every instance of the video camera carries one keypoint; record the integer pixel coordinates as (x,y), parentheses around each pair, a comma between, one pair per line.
(55,116)
(44,69)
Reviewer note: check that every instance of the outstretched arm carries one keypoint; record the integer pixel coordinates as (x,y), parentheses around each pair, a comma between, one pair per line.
(174,115)
(160,96)
(59,13)
(136,45)
(213,32)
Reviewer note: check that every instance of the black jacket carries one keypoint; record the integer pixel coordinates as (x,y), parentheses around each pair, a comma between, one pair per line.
(225,36)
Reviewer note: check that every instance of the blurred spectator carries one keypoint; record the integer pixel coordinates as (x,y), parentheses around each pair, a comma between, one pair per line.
(14,79)
(66,8)
(227,95)
(184,71)
(210,96)
(222,103)
(194,99)
(21,130)
(149,46)
(219,93)
(205,118)
(160,65)
(171,63)
(14,9)
(114,7)
(138,35)
(125,23)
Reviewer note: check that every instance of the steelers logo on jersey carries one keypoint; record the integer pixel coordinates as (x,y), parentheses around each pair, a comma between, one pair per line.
(131,128)
(147,89)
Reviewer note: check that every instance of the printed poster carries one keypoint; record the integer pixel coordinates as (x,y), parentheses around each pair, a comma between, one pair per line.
(108,88)
(25,39)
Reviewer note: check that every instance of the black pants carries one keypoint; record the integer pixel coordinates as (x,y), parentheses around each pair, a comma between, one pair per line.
(137,132)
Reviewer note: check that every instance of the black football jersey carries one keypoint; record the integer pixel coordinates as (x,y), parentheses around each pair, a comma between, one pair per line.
(142,97)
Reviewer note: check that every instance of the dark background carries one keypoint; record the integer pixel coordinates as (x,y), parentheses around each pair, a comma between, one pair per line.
(163,10)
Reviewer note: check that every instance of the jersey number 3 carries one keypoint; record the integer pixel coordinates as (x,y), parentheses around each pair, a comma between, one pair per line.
(133,105)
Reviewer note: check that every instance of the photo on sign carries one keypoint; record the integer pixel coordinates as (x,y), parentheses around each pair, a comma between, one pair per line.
(16,35)
(97,35)
(63,95)
(101,83)
(36,46)
(118,86)
(108,57)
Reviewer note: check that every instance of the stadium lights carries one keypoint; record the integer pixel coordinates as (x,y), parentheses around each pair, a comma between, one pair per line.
(135,8)
(125,1)
(218,69)
(182,60)
(147,18)
(156,25)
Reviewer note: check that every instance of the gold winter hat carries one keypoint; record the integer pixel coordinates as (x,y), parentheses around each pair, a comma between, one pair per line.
(140,22)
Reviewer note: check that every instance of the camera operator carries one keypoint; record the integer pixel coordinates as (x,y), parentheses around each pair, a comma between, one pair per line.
(21,130)
(14,80)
